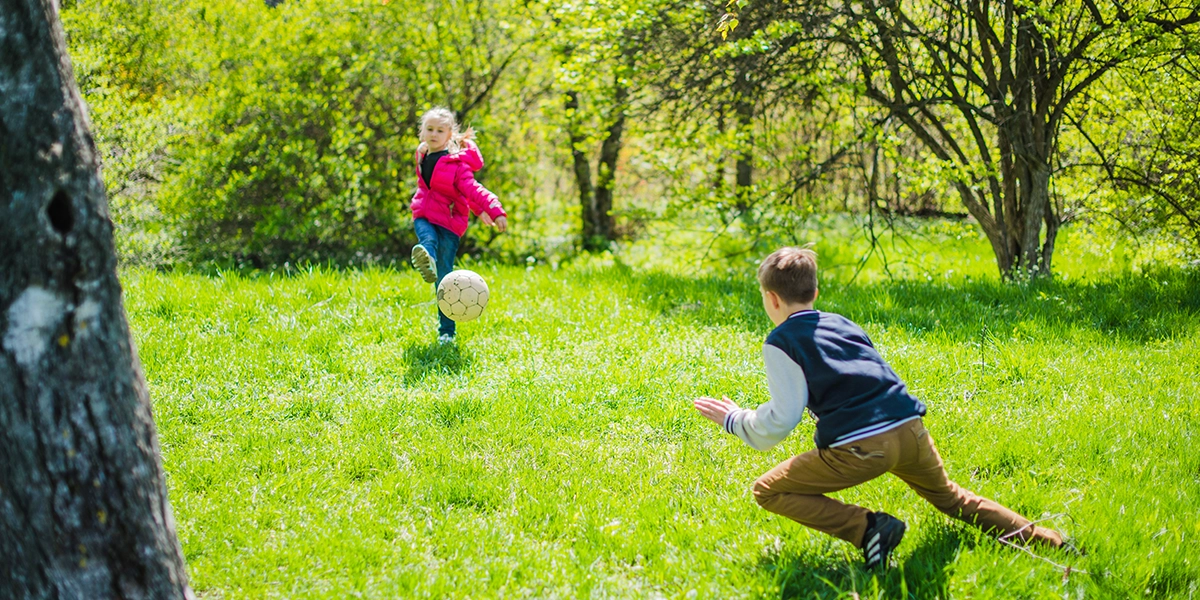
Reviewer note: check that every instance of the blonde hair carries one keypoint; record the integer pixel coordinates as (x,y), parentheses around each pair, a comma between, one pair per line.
(441,114)
(790,272)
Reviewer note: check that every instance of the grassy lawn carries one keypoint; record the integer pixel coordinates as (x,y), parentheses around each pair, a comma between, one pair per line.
(318,444)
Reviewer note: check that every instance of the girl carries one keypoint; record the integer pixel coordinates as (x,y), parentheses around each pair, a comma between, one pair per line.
(446,189)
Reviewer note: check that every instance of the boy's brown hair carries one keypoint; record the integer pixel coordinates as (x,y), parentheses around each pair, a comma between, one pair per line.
(791,273)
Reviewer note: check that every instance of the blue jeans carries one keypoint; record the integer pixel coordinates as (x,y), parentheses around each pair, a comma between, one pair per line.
(442,245)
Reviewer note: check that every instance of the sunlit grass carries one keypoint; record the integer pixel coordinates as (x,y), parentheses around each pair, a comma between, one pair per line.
(318,444)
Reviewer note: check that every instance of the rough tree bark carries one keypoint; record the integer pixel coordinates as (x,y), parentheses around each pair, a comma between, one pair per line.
(83,503)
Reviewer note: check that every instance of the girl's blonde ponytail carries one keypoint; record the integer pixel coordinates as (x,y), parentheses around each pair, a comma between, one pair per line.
(457,140)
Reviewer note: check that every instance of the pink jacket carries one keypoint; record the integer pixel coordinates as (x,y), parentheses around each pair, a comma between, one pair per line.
(452,190)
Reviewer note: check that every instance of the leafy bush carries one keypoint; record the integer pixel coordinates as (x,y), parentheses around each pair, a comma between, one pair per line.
(296,151)
(264,135)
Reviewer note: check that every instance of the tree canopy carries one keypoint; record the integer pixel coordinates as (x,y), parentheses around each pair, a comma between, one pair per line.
(247,134)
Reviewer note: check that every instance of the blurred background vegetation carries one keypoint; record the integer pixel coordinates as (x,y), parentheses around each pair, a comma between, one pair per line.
(251,134)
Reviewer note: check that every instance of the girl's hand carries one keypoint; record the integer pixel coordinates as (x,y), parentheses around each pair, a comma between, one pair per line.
(500,223)
(715,410)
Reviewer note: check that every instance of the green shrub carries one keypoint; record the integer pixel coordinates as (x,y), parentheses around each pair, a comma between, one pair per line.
(239,134)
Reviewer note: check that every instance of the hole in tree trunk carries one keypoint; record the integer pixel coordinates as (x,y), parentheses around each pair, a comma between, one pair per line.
(60,213)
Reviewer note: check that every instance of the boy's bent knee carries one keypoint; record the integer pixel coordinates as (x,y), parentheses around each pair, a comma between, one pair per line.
(763,492)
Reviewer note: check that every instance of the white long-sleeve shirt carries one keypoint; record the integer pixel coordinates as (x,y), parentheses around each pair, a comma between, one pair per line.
(764,427)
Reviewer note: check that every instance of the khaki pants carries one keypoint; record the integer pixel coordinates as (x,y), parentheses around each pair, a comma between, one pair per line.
(796,488)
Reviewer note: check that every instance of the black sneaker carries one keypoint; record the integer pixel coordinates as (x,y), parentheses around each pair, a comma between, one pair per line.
(423,263)
(884,533)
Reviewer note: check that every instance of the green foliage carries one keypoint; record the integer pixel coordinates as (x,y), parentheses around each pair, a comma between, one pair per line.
(125,68)
(287,133)
(298,150)
(319,444)
(1138,156)
(237,134)
(985,89)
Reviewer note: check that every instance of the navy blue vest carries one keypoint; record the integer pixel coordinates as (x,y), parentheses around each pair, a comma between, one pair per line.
(850,386)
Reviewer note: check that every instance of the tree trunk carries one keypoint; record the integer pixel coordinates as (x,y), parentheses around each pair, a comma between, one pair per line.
(721,163)
(1036,191)
(744,165)
(1017,238)
(1025,166)
(993,229)
(601,219)
(583,168)
(1052,223)
(83,503)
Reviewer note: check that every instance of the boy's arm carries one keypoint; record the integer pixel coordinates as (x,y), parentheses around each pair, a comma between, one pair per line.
(772,421)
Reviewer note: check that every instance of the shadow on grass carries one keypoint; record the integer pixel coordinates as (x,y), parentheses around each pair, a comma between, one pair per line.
(433,359)
(920,574)
(1140,308)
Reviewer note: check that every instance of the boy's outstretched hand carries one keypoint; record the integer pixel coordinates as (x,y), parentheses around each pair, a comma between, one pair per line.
(714,410)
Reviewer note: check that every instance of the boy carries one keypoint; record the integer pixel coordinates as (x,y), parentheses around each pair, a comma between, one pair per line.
(867,423)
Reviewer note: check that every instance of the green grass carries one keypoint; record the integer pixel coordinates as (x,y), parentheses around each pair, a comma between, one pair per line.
(318,444)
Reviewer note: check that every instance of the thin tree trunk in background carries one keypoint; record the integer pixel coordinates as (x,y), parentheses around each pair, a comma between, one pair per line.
(1053,221)
(583,169)
(744,165)
(610,149)
(83,503)
(1036,192)
(745,178)
(721,164)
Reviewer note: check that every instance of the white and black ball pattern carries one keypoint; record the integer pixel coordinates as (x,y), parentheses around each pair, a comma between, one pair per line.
(462,295)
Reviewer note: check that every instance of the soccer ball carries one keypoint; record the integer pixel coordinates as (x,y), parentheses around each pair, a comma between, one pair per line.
(461,295)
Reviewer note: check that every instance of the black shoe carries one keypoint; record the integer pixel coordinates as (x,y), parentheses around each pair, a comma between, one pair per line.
(884,533)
